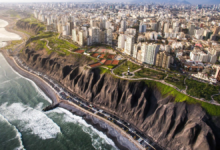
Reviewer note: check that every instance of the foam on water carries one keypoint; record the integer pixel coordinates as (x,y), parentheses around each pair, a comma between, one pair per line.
(18,134)
(30,120)
(69,117)
(38,90)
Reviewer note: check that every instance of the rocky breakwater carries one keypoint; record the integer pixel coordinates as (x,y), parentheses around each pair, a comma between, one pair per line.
(175,126)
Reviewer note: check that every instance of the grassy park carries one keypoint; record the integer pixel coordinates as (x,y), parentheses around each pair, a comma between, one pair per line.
(124,68)
(200,89)
(176,80)
(179,97)
(150,73)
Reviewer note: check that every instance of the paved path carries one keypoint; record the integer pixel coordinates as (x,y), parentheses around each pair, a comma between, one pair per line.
(163,82)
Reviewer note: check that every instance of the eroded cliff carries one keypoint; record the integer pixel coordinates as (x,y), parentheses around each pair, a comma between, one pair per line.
(33,28)
(175,126)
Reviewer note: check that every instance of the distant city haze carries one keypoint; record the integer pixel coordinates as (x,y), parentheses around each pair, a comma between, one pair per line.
(160,1)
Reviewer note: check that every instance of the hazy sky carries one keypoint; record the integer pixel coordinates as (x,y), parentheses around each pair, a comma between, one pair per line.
(191,1)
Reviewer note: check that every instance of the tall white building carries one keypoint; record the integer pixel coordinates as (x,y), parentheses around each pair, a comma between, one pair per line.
(121,41)
(109,37)
(149,53)
(129,45)
(198,56)
(166,27)
(94,35)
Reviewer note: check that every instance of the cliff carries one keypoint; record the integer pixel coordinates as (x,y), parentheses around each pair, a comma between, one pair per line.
(28,26)
(175,126)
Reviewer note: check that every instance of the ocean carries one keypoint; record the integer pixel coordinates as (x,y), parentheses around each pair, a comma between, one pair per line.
(23,124)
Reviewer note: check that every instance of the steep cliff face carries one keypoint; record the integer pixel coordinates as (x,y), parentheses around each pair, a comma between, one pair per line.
(175,126)
(32,28)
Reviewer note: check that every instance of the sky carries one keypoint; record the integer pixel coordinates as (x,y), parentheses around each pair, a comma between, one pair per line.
(28,1)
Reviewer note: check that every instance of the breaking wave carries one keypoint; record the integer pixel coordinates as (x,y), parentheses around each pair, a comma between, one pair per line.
(30,120)
(87,128)
(18,134)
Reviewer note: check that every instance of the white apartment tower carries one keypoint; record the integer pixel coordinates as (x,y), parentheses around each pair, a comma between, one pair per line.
(109,37)
(121,41)
(149,53)
(129,45)
(94,34)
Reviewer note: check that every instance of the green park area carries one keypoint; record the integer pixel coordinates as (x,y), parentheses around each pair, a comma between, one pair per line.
(176,80)
(211,109)
(103,70)
(62,47)
(150,73)
(217,98)
(200,89)
(33,22)
(124,68)
(12,44)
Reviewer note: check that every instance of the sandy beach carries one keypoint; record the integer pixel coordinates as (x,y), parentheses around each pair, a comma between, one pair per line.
(121,139)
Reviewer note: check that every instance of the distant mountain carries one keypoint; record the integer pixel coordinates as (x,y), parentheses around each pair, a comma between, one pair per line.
(162,1)
(184,2)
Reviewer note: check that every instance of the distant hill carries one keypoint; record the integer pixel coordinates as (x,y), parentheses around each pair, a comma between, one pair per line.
(184,2)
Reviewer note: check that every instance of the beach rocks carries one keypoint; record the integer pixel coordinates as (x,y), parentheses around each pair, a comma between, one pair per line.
(174,126)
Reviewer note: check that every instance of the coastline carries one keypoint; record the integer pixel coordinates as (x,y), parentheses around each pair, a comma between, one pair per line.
(105,126)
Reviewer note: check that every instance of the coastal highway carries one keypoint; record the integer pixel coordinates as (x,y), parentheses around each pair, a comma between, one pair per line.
(67,97)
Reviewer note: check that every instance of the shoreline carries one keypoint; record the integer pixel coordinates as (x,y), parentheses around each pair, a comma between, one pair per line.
(45,87)
(87,116)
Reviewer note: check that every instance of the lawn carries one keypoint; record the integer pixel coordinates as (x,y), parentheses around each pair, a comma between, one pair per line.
(200,89)
(34,22)
(176,80)
(217,98)
(13,43)
(124,68)
(179,97)
(150,73)
(103,70)
(56,44)
(110,66)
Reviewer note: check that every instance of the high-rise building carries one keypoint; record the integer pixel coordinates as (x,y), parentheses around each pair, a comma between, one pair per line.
(150,57)
(109,37)
(94,34)
(163,60)
(81,38)
(121,41)
(142,27)
(166,27)
(123,25)
(191,29)
(154,26)
(216,30)
(129,45)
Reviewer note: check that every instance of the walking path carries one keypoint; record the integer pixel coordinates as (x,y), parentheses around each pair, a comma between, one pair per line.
(163,82)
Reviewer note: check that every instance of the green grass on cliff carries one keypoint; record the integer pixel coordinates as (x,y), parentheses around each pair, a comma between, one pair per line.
(150,73)
(176,80)
(124,68)
(179,97)
(103,70)
(57,43)
(200,89)
(34,22)
(217,98)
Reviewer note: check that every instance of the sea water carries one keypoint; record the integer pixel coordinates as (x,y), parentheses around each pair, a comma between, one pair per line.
(23,124)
